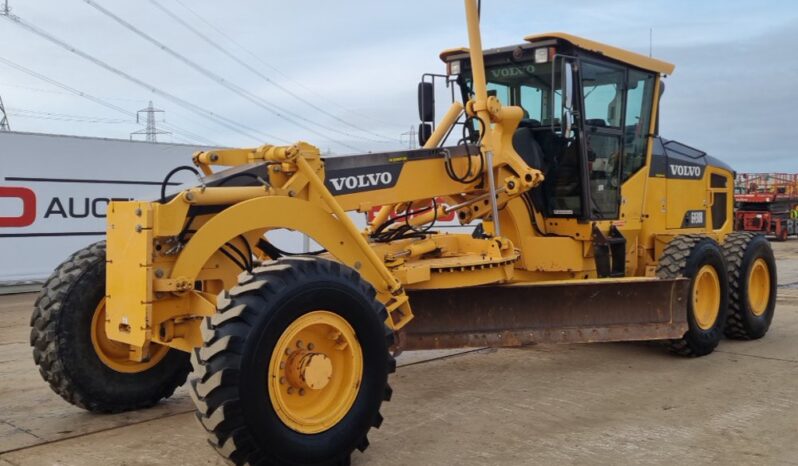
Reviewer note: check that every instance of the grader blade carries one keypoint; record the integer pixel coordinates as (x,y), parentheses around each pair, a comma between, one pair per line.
(570,312)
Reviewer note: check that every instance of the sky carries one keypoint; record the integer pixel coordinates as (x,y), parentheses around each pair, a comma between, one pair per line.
(359,61)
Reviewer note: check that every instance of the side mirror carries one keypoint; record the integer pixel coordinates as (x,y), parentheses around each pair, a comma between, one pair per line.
(424,133)
(568,85)
(567,99)
(426,102)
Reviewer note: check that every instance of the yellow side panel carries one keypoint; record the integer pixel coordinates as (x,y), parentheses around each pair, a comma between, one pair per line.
(684,196)
(129,272)
(553,254)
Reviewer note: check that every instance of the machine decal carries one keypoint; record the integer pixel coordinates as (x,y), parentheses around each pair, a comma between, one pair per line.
(684,171)
(507,72)
(355,180)
(694,219)
(562,212)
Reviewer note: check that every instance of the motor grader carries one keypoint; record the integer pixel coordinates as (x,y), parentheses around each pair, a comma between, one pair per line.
(580,223)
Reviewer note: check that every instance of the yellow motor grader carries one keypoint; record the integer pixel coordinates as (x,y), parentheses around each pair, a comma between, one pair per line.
(580,223)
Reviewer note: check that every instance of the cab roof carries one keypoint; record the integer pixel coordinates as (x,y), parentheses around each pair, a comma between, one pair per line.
(625,56)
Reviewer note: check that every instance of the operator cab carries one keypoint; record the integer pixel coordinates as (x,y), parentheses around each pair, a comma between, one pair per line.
(586,119)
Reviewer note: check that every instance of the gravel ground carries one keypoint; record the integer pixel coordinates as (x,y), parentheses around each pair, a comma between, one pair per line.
(625,403)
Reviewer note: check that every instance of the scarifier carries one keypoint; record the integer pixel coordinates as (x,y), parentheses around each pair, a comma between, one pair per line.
(584,225)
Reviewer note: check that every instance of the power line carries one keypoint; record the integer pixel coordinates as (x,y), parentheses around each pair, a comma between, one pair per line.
(241,47)
(97,100)
(53,91)
(36,114)
(257,100)
(256,72)
(218,119)
(182,116)
(75,120)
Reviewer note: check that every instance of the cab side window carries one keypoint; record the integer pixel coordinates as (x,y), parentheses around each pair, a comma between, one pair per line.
(640,89)
(602,87)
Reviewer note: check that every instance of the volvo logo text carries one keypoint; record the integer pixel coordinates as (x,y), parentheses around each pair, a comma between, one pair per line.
(512,72)
(685,171)
(356,182)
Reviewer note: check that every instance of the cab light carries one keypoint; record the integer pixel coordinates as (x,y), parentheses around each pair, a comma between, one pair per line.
(541,55)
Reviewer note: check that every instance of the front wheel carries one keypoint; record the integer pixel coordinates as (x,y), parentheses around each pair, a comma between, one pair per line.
(75,355)
(294,366)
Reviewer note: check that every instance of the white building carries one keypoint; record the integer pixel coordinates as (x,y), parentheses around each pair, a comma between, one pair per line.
(54,191)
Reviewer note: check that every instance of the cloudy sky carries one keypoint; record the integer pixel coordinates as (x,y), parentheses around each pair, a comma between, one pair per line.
(732,93)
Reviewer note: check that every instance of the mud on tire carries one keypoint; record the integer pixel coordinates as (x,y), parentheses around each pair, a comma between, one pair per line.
(229,384)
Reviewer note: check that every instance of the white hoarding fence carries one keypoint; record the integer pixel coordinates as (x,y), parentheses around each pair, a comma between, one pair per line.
(55,190)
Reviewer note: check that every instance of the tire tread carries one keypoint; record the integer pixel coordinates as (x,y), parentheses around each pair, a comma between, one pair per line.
(734,250)
(216,364)
(673,264)
(49,348)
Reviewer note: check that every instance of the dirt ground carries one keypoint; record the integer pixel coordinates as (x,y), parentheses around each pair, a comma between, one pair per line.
(568,404)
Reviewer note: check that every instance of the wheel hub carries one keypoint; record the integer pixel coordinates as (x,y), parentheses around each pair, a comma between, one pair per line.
(706,297)
(759,287)
(309,370)
(315,372)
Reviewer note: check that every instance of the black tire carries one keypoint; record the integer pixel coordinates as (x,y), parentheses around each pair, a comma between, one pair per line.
(229,385)
(63,350)
(683,257)
(742,250)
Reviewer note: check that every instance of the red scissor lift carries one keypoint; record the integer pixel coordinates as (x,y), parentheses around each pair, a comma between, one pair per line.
(764,203)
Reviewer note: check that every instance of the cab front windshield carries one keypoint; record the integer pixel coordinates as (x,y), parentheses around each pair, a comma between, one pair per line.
(536,88)
(529,86)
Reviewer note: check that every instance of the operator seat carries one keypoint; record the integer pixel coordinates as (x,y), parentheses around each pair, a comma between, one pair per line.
(568,182)
(526,145)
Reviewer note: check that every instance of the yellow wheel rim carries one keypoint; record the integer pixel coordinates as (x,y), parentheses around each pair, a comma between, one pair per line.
(115,354)
(759,287)
(706,297)
(315,372)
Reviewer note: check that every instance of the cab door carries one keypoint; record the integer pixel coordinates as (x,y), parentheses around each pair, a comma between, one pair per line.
(603,95)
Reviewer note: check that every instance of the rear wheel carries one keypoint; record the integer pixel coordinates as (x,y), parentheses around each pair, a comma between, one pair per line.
(75,355)
(294,366)
(752,281)
(701,260)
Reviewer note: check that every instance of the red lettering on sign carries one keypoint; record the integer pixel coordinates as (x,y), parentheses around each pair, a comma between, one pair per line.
(28,199)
